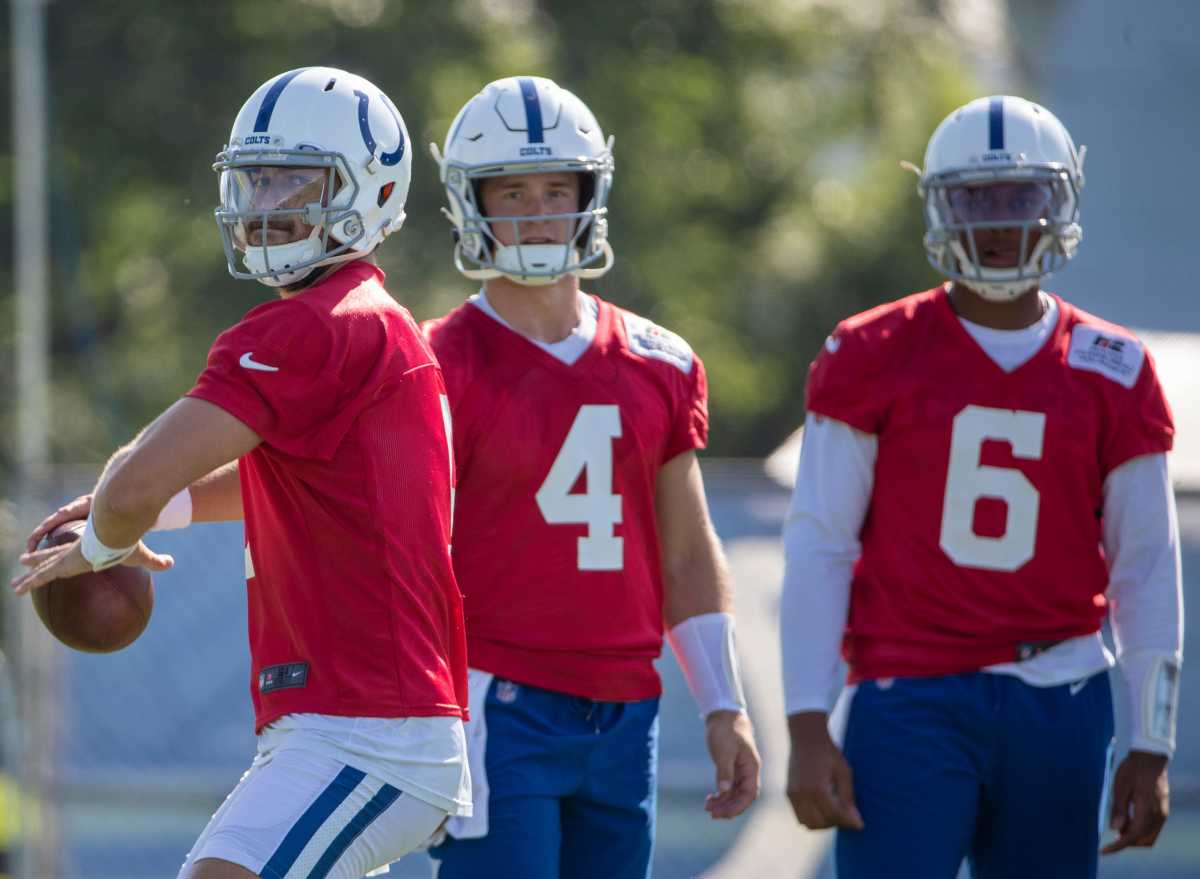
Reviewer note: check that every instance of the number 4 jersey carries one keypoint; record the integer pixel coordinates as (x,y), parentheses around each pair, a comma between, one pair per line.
(555,538)
(982,541)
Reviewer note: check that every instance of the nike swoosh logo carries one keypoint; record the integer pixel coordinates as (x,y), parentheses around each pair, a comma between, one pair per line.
(1077,686)
(250,363)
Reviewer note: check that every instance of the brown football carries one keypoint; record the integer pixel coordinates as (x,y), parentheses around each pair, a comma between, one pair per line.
(97,612)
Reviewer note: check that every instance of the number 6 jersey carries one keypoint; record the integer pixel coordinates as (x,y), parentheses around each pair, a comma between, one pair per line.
(982,540)
(555,538)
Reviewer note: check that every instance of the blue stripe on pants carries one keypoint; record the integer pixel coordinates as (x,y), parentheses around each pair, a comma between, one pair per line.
(352,831)
(312,819)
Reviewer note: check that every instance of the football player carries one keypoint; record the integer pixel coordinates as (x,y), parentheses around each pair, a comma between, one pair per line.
(983,479)
(580,519)
(321,418)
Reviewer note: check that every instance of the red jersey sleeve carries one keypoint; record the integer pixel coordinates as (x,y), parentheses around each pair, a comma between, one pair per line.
(845,381)
(690,428)
(1142,423)
(285,373)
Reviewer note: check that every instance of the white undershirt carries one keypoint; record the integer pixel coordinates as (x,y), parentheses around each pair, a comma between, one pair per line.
(567,350)
(1011,348)
(821,545)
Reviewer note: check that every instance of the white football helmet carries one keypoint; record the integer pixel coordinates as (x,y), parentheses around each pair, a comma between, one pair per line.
(315,148)
(1001,140)
(526,125)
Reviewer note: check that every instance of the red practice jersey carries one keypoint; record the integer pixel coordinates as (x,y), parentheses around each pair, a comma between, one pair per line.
(982,541)
(354,609)
(555,537)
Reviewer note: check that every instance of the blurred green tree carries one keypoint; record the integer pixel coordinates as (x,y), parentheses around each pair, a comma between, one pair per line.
(757,200)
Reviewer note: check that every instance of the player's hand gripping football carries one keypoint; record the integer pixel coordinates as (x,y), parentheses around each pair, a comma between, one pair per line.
(1139,801)
(820,784)
(77,509)
(66,560)
(730,740)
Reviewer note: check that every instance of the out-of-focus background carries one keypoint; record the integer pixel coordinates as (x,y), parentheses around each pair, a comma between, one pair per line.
(758,199)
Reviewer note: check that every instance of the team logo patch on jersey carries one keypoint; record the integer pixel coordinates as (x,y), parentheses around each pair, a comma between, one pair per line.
(1112,355)
(650,340)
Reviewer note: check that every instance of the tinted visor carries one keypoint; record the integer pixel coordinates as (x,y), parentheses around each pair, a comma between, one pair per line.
(1018,202)
(269,187)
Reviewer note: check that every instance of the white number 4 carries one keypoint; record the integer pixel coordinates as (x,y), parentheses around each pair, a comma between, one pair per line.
(968,481)
(587,448)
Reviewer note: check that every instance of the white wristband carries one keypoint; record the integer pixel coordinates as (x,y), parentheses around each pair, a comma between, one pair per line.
(1153,679)
(96,553)
(704,648)
(176,514)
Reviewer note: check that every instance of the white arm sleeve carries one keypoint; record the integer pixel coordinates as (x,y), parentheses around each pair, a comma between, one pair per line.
(821,544)
(1141,543)
(703,647)
(176,514)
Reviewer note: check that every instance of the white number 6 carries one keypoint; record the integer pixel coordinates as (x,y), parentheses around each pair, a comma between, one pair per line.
(968,481)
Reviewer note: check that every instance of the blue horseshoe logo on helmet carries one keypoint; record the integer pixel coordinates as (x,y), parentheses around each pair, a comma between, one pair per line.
(364,126)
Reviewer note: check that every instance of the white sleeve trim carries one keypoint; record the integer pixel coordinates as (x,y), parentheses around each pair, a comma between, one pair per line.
(704,648)
(1141,544)
(836,476)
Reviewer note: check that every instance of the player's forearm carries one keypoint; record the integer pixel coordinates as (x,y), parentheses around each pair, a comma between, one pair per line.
(217,497)
(214,497)
(697,582)
(812,617)
(1141,543)
(697,595)
(695,577)
(185,444)
(125,504)
(700,629)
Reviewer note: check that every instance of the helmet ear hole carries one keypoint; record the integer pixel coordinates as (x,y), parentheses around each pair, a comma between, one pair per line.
(385,192)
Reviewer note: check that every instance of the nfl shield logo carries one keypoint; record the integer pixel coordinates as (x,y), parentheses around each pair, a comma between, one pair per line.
(507,691)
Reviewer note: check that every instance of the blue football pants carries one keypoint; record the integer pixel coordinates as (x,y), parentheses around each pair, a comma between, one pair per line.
(572,789)
(979,766)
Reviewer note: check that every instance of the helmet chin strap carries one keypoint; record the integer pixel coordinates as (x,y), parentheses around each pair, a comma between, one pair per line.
(281,257)
(535,265)
(999,291)
(507,263)
(1000,285)
(512,261)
